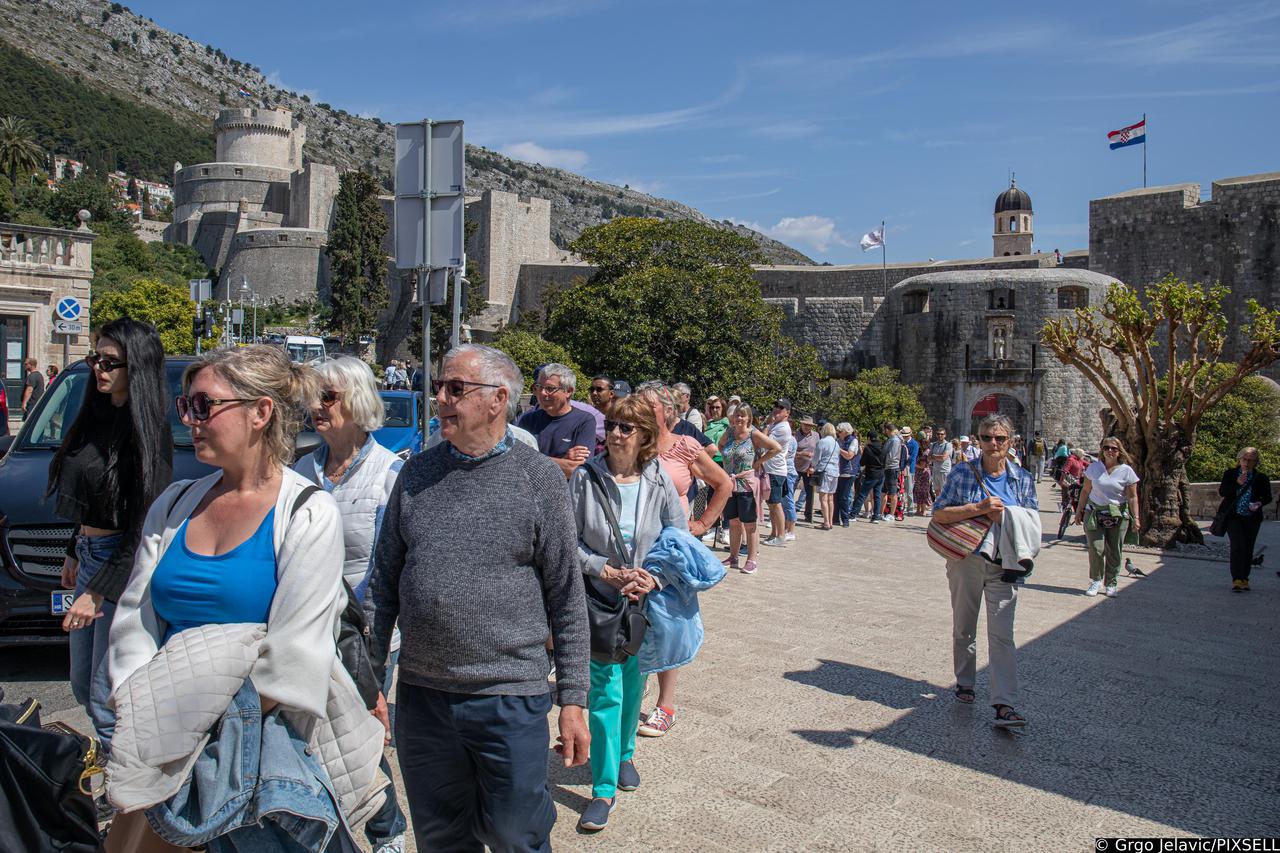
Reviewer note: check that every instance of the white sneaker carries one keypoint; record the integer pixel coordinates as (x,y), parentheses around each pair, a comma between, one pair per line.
(389,845)
(790,537)
(709,538)
(1094,588)
(1112,591)
(774,542)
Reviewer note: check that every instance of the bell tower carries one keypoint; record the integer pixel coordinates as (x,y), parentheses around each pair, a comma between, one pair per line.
(1013,231)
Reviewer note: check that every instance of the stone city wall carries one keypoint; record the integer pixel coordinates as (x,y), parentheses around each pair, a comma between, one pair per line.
(222,186)
(1142,235)
(312,193)
(279,264)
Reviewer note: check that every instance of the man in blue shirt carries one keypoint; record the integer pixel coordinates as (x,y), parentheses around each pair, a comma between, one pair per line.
(909,475)
(564,433)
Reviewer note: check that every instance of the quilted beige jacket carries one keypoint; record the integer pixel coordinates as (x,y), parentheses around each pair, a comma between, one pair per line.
(166,709)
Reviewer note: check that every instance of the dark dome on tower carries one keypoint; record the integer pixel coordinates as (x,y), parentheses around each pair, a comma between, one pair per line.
(1013,199)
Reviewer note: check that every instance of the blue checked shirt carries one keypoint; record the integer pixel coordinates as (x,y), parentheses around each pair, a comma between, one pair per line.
(962,487)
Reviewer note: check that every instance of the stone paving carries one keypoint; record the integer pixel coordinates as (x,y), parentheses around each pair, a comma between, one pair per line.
(819,714)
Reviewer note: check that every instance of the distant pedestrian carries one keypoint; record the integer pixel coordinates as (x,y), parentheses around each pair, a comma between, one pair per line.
(1245,491)
(1035,462)
(923,487)
(909,470)
(32,386)
(745,451)
(872,477)
(976,489)
(969,451)
(52,372)
(850,454)
(684,406)
(806,444)
(1109,507)
(939,459)
(826,461)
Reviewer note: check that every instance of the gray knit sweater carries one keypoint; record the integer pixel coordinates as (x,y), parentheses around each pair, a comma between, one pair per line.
(478,561)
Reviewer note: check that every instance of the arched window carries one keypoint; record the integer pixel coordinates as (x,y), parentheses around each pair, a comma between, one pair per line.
(1026,223)
(1013,224)
(999,225)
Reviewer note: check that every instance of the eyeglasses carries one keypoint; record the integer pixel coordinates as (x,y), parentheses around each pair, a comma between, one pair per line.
(104,363)
(598,389)
(457,388)
(199,406)
(547,389)
(328,397)
(997,439)
(620,426)
(1110,448)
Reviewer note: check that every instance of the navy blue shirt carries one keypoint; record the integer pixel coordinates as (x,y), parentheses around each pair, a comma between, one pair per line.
(683,427)
(575,428)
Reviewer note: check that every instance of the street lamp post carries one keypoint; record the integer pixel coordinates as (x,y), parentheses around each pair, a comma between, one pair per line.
(253,296)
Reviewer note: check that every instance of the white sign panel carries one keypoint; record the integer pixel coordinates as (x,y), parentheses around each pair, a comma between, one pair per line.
(430,185)
(67,327)
(200,289)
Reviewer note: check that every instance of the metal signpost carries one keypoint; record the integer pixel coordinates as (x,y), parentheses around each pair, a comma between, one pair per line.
(67,322)
(430,186)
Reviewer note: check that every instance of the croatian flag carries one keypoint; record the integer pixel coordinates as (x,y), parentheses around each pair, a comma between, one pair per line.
(1134,134)
(872,240)
(244,93)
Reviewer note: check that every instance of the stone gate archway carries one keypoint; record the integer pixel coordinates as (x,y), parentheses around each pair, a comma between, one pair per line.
(999,402)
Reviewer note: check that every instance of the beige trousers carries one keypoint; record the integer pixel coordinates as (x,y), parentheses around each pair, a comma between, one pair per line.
(971,580)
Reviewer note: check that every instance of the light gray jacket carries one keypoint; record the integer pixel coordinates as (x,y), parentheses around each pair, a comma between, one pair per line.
(658,506)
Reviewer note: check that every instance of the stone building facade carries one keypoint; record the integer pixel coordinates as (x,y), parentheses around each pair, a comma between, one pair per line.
(38,267)
(259,214)
(1142,235)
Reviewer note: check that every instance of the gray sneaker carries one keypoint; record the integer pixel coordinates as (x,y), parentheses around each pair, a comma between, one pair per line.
(595,816)
(774,542)
(628,777)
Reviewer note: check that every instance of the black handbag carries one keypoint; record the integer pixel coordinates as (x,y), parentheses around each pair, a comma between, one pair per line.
(44,775)
(618,625)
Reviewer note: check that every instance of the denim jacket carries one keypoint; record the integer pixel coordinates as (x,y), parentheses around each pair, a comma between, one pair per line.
(685,567)
(256,786)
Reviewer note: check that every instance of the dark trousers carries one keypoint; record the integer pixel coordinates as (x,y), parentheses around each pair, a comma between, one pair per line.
(807,481)
(872,483)
(844,500)
(475,769)
(1243,533)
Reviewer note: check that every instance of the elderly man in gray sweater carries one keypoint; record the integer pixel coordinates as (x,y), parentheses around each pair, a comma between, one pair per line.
(477,559)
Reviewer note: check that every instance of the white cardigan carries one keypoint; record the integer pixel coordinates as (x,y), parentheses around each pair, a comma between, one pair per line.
(302,626)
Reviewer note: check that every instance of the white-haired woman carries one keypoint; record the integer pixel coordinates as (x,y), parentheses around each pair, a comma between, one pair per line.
(359,473)
(826,462)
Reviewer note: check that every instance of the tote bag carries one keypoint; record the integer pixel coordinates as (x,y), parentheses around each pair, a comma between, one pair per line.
(959,539)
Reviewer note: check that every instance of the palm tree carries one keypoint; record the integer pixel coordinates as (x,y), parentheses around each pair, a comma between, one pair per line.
(18,149)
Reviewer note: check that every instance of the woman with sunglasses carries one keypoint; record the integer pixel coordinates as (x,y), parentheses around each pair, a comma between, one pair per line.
(644,499)
(976,488)
(246,544)
(1109,506)
(115,459)
(360,474)
(1245,491)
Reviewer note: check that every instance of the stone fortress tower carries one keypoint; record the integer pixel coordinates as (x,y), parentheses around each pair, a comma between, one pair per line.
(259,214)
(1013,232)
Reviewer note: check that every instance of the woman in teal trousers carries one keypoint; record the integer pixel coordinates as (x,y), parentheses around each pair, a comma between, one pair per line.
(643,499)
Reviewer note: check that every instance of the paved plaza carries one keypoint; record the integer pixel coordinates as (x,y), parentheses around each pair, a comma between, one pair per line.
(819,715)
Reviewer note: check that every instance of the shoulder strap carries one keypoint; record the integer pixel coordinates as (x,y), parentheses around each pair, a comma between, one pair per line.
(178,498)
(619,542)
(977,473)
(302,499)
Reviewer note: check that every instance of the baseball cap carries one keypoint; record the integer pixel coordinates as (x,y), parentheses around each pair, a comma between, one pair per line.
(964,438)
(621,388)
(783,403)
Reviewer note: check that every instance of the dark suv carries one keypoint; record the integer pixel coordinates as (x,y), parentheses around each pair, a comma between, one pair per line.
(32,539)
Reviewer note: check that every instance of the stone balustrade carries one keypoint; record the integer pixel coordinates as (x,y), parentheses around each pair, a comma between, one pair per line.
(1203,500)
(34,246)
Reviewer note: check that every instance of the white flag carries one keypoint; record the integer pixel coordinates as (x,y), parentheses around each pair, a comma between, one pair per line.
(873,239)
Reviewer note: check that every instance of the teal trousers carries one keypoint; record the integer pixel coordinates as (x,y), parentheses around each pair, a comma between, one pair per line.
(617,690)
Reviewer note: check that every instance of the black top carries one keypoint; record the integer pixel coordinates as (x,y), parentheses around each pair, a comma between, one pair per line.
(684,427)
(85,495)
(872,458)
(1260,486)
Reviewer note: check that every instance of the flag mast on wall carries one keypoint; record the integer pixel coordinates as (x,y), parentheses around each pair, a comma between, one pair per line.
(874,239)
(1134,134)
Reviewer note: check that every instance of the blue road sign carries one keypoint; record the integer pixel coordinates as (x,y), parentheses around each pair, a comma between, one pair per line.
(68,308)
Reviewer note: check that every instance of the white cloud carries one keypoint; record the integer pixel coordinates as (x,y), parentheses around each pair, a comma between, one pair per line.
(572,159)
(818,232)
(274,79)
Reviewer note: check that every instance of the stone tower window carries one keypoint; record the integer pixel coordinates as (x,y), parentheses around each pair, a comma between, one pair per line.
(1073,297)
(916,302)
(1013,224)
(239,171)
(1000,298)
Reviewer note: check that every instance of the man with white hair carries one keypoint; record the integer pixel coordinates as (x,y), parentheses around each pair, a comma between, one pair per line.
(687,412)
(478,559)
(564,433)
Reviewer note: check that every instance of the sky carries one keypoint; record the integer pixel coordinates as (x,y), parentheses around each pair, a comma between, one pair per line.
(810,121)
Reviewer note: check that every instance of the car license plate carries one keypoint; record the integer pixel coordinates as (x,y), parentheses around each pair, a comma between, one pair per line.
(60,602)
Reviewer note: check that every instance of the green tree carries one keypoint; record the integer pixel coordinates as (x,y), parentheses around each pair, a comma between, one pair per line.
(120,259)
(86,192)
(874,397)
(168,307)
(1248,416)
(20,155)
(679,301)
(1157,362)
(357,260)
(529,351)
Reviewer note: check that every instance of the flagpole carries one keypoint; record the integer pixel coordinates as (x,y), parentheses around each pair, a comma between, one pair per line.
(1144,151)
(884,262)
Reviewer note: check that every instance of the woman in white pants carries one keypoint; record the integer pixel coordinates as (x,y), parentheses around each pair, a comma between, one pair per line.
(976,488)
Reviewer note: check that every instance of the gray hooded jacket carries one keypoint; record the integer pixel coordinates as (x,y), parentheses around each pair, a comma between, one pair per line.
(658,507)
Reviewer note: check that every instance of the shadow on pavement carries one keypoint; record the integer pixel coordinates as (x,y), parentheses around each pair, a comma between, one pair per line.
(1163,703)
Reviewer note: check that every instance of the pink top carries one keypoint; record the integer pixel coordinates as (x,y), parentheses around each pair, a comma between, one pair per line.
(677,461)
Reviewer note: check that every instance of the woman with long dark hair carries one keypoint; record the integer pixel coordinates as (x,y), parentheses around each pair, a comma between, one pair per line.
(114,460)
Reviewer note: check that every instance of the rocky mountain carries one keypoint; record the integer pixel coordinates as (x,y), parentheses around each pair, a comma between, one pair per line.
(106,46)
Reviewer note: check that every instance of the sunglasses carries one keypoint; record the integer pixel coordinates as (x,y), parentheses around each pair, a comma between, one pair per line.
(1110,448)
(457,388)
(620,426)
(104,363)
(998,439)
(328,397)
(199,406)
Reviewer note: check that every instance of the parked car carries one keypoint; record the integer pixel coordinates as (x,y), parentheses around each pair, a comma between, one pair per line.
(401,432)
(32,539)
(304,348)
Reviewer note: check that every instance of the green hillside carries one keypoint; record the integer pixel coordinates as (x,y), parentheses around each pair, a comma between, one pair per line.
(104,131)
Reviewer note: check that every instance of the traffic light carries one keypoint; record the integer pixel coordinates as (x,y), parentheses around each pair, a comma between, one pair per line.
(197,326)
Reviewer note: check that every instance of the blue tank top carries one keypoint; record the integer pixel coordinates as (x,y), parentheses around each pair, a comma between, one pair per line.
(189,589)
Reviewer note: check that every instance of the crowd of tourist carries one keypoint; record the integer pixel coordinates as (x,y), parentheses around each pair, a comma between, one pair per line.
(525,560)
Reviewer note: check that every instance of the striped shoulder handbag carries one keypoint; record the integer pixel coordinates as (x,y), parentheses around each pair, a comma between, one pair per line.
(959,539)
